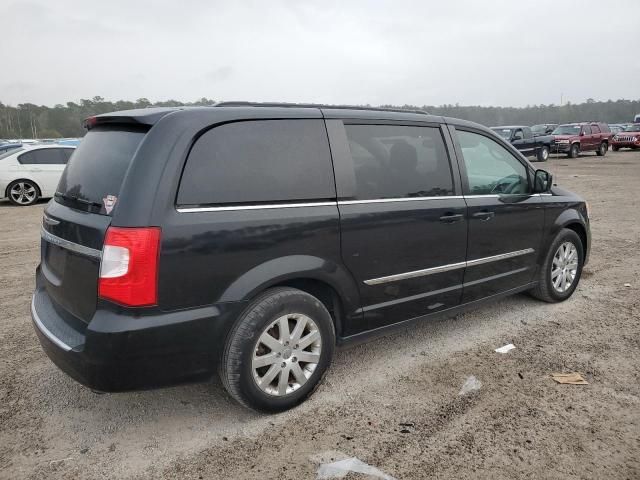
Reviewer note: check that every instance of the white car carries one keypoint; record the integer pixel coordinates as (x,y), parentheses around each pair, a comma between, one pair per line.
(32,172)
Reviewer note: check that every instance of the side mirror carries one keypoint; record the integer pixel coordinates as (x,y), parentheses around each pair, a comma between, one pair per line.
(542,181)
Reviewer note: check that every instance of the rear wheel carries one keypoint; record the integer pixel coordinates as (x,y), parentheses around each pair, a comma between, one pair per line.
(278,350)
(602,149)
(574,151)
(543,154)
(560,273)
(23,192)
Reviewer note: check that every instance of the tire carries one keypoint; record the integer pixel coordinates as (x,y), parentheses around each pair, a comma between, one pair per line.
(615,148)
(602,149)
(261,320)
(543,154)
(545,289)
(23,193)
(574,151)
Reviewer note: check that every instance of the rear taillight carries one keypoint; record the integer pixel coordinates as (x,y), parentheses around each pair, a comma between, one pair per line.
(129,266)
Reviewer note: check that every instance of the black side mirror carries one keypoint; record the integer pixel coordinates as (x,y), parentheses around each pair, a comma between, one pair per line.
(542,181)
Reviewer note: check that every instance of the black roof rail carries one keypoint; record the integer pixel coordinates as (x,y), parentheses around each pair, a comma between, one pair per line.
(315,105)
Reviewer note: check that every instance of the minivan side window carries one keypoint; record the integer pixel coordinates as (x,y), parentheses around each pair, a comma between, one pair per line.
(259,161)
(491,168)
(397,161)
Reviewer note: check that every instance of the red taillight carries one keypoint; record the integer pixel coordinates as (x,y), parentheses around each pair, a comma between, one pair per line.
(129,266)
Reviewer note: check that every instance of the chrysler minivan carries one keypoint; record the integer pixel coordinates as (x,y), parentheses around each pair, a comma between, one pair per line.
(252,239)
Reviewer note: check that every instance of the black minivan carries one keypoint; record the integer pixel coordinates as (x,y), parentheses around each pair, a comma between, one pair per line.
(252,239)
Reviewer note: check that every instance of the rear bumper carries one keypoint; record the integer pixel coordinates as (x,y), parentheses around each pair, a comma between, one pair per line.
(119,353)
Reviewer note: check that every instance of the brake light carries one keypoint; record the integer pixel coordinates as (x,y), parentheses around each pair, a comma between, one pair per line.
(129,266)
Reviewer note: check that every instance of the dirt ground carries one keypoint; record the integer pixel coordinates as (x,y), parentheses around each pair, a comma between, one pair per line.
(393,403)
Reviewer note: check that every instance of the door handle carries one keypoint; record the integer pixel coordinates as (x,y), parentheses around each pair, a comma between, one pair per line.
(483,215)
(451,217)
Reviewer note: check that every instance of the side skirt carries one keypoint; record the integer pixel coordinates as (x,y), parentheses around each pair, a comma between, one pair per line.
(369,335)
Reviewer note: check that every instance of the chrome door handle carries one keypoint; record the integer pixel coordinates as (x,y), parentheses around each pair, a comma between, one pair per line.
(451,218)
(484,215)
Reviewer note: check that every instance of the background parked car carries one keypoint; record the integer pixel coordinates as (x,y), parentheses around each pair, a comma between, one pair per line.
(629,138)
(28,173)
(574,138)
(523,139)
(543,129)
(616,128)
(6,146)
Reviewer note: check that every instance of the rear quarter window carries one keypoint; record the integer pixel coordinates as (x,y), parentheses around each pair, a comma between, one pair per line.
(261,161)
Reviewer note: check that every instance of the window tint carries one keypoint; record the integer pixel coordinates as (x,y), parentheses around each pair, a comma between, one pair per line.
(97,167)
(595,129)
(395,161)
(491,168)
(45,156)
(259,161)
(586,129)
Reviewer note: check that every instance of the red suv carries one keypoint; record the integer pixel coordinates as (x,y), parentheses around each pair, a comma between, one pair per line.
(574,138)
(628,138)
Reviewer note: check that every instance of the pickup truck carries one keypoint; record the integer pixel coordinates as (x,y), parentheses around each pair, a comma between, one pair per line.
(575,138)
(523,139)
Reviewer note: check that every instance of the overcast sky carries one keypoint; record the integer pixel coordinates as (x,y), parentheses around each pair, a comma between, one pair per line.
(509,53)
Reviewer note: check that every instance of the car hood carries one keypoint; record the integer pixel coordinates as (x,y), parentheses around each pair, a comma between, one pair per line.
(628,134)
(566,137)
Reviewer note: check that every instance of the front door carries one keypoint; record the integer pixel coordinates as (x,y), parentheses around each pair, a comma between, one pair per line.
(403,225)
(505,219)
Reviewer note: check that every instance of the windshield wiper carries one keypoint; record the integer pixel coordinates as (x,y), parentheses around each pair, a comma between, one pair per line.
(75,198)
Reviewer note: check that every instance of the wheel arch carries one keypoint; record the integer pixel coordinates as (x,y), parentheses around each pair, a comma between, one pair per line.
(23,179)
(327,280)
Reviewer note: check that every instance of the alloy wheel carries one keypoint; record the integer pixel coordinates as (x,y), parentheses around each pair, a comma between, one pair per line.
(286,354)
(23,193)
(564,267)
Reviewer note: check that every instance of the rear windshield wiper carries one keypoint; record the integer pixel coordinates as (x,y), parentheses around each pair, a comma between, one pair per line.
(75,198)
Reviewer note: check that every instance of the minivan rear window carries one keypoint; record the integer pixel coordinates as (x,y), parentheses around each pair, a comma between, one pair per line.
(259,161)
(96,170)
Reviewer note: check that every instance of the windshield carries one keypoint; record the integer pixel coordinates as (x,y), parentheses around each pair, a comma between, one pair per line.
(633,128)
(567,130)
(539,128)
(503,132)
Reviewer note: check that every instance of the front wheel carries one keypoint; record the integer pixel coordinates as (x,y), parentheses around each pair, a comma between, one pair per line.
(602,149)
(575,151)
(543,154)
(561,270)
(278,350)
(23,193)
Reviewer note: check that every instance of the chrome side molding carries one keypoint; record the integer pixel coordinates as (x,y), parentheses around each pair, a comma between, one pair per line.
(447,268)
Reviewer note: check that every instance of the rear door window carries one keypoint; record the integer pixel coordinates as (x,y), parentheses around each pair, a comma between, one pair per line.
(43,156)
(397,161)
(260,161)
(97,168)
(595,129)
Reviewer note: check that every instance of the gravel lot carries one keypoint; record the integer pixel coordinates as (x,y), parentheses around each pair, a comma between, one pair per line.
(393,403)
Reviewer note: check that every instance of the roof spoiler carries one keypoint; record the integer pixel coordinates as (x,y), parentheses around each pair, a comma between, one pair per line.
(140,117)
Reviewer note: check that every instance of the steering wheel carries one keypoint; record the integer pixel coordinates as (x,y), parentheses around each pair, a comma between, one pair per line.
(506,184)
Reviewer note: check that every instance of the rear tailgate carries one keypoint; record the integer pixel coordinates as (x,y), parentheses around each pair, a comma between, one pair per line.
(75,223)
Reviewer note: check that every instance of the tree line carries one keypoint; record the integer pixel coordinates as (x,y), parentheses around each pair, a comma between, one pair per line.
(27,120)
